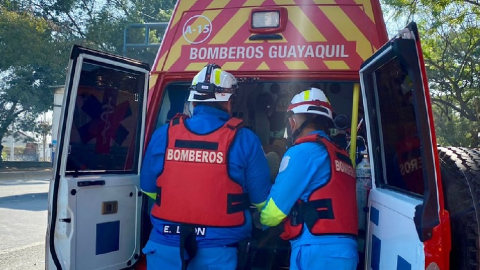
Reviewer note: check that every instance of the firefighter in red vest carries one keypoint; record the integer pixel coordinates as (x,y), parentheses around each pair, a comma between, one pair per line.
(314,193)
(203,173)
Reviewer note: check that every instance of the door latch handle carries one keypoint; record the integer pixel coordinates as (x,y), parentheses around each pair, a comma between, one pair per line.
(91,183)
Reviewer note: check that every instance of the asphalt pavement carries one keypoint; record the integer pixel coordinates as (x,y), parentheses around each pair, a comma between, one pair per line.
(23,219)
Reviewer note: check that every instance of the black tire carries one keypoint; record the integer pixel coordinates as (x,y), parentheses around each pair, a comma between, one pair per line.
(460,171)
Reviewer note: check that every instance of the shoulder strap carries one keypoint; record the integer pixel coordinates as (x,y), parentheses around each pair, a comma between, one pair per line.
(326,141)
(178,119)
(234,123)
(339,152)
(308,138)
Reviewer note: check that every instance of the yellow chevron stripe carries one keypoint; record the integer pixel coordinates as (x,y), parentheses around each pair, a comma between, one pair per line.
(367,7)
(176,49)
(303,24)
(348,29)
(195,66)
(218,4)
(152,81)
(284,2)
(295,65)
(160,62)
(232,26)
(325,2)
(263,66)
(183,6)
(336,64)
(253,3)
(232,66)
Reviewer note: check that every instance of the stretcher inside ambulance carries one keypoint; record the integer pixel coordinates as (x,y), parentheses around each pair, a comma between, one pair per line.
(99,218)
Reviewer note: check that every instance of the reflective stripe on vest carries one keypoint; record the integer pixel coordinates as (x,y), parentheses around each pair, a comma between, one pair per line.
(195,187)
(331,208)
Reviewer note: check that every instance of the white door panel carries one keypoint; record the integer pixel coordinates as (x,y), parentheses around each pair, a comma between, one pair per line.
(95,201)
(104,231)
(404,200)
(395,213)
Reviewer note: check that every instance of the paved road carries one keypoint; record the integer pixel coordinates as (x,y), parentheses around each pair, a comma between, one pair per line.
(23,221)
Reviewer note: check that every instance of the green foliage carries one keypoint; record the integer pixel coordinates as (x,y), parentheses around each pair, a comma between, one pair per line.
(28,64)
(450,33)
(438,11)
(457,128)
(36,37)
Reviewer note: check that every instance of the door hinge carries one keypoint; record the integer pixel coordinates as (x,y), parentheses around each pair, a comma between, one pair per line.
(136,97)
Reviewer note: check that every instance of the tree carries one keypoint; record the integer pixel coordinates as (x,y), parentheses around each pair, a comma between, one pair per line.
(43,129)
(452,59)
(451,46)
(100,24)
(29,64)
(36,37)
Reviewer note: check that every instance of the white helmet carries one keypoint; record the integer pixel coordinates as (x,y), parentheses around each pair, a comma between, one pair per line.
(212,84)
(311,101)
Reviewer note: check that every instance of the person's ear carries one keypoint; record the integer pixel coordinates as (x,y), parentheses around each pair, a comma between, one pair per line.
(293,123)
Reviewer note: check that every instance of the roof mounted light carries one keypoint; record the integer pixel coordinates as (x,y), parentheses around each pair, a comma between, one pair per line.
(268,20)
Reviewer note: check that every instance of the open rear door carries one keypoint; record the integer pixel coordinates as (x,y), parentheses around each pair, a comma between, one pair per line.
(95,200)
(406,205)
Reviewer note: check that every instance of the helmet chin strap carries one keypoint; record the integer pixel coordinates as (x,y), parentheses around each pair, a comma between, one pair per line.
(294,135)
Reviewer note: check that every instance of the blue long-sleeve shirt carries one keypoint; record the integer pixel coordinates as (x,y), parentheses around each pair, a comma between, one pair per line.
(303,169)
(247,166)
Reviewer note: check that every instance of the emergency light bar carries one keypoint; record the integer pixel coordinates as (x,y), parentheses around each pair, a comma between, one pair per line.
(267,21)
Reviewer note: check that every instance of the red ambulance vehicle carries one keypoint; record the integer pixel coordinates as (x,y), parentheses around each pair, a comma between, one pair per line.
(423,210)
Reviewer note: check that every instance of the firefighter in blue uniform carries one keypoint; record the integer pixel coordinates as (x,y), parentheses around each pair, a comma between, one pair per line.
(314,196)
(203,172)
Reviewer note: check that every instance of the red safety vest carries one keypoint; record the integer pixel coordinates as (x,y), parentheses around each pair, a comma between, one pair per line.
(195,186)
(410,164)
(331,208)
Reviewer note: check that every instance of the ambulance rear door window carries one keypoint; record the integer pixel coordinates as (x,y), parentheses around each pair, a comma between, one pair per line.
(106,121)
(175,100)
(399,137)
